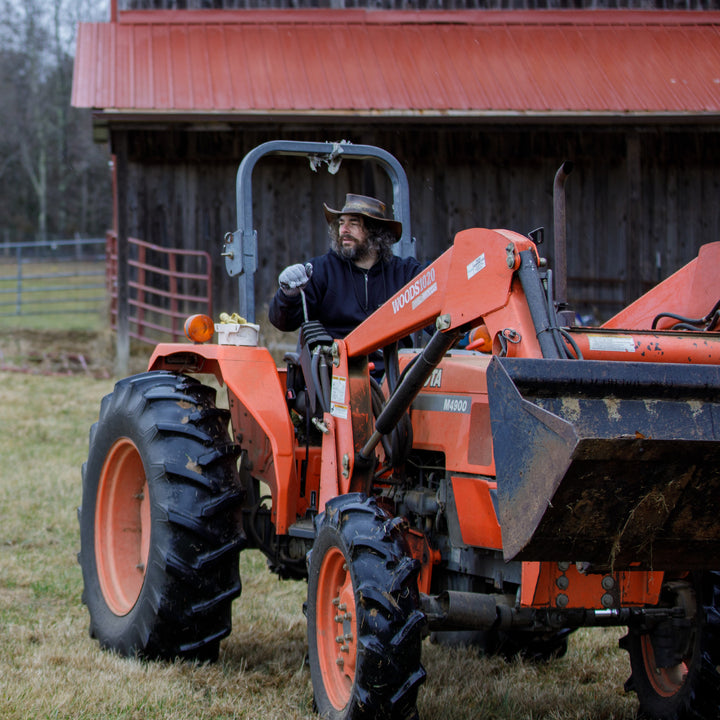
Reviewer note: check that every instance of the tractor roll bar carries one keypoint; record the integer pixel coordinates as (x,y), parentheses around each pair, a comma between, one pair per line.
(240,247)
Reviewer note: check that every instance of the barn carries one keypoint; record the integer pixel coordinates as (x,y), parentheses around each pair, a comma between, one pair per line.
(480,104)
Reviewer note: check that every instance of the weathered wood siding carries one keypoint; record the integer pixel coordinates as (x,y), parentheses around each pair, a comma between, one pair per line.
(641,200)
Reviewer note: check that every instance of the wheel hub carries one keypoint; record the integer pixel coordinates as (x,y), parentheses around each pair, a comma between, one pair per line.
(337,646)
(667,680)
(122,527)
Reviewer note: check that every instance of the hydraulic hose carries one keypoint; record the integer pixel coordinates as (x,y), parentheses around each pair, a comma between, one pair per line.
(537,304)
(408,388)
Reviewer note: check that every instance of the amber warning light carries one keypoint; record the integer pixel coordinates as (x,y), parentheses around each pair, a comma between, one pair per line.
(199,328)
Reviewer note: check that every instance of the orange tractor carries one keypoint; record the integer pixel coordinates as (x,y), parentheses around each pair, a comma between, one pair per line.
(544,477)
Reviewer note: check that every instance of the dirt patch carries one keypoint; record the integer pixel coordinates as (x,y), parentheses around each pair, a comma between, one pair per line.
(52,352)
(61,352)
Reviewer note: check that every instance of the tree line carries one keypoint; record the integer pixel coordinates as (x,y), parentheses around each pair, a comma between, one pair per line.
(55,182)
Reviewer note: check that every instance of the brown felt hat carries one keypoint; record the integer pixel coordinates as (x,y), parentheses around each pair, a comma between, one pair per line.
(368,207)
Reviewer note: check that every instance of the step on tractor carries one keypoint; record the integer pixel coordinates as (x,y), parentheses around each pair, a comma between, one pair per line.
(512,477)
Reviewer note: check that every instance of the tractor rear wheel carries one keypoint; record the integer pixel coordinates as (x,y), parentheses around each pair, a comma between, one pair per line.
(364,623)
(675,665)
(160,531)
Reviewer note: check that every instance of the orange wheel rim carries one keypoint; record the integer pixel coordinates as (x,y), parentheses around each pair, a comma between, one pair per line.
(665,681)
(122,527)
(335,628)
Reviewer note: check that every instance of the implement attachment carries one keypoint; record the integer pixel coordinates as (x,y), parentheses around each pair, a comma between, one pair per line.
(615,464)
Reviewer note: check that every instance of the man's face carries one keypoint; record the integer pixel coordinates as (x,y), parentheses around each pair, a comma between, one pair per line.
(352,237)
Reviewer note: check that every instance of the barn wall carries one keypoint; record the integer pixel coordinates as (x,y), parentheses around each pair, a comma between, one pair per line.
(640,200)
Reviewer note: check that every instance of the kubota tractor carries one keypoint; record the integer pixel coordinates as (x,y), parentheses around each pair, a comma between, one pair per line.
(545,478)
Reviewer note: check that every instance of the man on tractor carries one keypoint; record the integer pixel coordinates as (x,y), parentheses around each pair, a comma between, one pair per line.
(352,279)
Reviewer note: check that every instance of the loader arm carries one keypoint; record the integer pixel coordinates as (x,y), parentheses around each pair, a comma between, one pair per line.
(592,430)
(472,280)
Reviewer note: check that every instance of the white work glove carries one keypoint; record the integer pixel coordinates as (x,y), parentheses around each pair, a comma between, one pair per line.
(294,278)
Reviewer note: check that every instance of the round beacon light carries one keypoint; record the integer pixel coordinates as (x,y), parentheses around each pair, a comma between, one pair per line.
(199,328)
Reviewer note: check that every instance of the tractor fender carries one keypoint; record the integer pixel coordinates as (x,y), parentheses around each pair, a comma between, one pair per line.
(256,391)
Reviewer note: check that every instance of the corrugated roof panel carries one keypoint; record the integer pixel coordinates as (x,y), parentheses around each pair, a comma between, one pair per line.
(261,82)
(360,88)
(118,83)
(198,69)
(297,72)
(598,71)
(99,79)
(277,61)
(702,77)
(242,97)
(473,63)
(546,52)
(629,79)
(500,62)
(419,84)
(584,92)
(218,67)
(170,50)
(308,46)
(326,68)
(458,73)
(396,75)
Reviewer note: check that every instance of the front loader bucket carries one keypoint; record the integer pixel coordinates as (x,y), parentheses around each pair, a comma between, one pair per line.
(612,463)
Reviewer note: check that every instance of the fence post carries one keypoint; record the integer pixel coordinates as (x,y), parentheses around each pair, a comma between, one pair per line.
(140,315)
(122,337)
(111,276)
(18,297)
(173,297)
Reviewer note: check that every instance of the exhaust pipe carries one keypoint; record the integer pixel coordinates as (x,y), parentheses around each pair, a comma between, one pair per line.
(566,317)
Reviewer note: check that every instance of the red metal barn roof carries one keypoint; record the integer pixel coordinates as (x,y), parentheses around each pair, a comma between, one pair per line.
(325,63)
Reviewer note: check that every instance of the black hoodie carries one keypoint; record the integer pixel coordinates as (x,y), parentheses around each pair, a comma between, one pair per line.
(340,294)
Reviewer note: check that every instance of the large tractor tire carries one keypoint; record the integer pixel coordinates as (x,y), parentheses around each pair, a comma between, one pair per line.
(160,529)
(690,688)
(364,623)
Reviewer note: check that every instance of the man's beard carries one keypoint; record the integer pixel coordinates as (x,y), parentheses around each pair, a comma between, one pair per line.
(354,252)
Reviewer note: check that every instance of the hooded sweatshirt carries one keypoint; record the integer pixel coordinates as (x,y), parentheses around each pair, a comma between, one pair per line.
(340,294)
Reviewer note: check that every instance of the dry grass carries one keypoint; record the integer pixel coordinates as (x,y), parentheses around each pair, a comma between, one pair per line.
(50,668)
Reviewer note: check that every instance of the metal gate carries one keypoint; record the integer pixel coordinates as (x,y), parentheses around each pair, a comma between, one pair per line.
(165,286)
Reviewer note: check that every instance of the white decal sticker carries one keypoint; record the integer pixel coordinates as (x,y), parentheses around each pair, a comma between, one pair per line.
(612,343)
(424,296)
(435,379)
(476,266)
(339,410)
(416,292)
(434,402)
(337,389)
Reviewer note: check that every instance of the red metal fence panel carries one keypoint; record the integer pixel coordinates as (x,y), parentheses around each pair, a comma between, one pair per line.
(165,286)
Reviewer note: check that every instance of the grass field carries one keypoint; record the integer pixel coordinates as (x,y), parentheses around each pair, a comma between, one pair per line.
(50,668)
(42,294)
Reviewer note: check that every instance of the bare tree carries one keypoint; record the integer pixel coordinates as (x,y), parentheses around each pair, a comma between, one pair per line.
(46,154)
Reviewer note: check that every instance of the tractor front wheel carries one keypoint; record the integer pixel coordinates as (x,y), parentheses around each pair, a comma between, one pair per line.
(675,664)
(160,531)
(364,623)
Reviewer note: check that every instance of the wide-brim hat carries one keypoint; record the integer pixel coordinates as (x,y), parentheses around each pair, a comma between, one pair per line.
(367,207)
